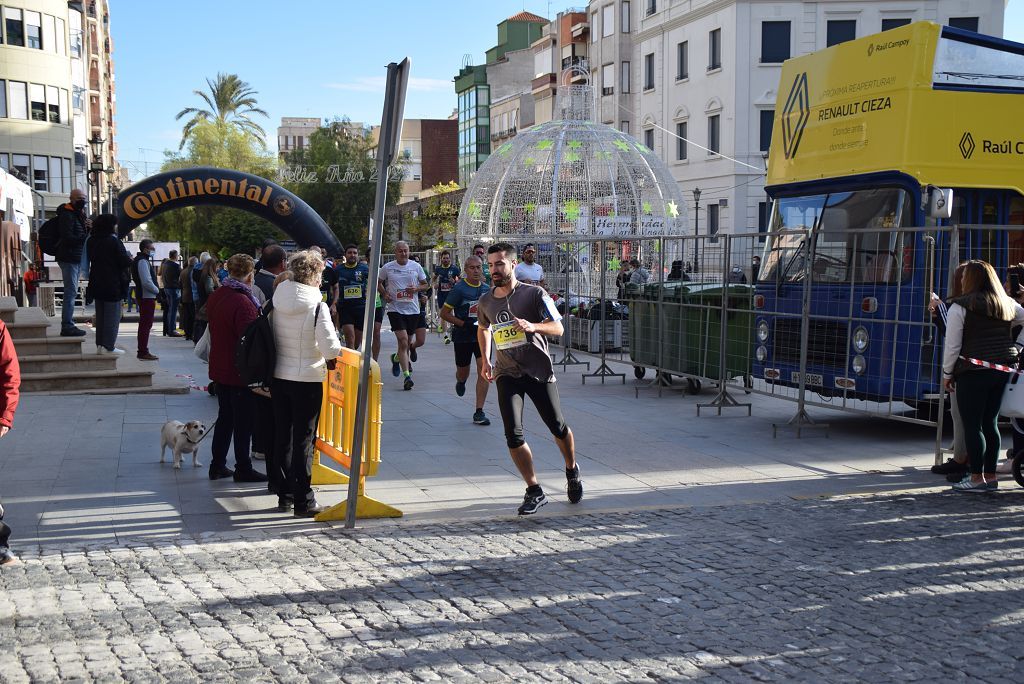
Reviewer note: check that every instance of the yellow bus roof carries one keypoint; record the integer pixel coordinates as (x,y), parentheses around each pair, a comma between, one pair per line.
(869,105)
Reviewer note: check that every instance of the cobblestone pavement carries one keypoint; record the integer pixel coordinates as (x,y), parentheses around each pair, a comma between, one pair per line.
(880,588)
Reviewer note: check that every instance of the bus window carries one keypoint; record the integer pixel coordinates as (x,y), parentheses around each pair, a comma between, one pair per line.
(1016,218)
(783,258)
(857,237)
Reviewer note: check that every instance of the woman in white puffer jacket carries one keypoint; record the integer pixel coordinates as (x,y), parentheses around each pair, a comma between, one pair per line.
(305,338)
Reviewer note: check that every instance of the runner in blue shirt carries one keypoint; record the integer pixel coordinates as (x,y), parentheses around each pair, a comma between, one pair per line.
(445,276)
(459,310)
(352,277)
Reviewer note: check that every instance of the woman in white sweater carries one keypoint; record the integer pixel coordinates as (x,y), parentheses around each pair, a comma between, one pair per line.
(305,339)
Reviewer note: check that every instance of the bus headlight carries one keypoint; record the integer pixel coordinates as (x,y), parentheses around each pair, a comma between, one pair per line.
(762,331)
(860,339)
(859,364)
(761,353)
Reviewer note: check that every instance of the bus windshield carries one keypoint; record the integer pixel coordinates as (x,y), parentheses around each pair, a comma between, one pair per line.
(854,235)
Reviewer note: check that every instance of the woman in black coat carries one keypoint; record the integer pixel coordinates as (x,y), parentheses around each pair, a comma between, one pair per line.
(109,277)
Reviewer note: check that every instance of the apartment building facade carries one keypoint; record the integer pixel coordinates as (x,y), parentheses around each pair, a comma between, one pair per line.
(57,94)
(707,71)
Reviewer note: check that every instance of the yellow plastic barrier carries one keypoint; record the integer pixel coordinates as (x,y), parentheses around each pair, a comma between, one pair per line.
(336,431)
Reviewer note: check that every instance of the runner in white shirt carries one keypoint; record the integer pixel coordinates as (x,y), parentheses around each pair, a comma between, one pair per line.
(529,271)
(400,284)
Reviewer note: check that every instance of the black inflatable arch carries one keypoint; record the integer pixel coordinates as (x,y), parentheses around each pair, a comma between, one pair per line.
(227,188)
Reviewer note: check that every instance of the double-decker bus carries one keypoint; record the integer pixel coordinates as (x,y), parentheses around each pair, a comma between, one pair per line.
(886,151)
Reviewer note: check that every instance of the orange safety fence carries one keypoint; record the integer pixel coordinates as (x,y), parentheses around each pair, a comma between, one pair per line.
(335,436)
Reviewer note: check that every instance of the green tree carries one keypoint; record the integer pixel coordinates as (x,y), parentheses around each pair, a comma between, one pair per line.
(335,174)
(437,222)
(231,101)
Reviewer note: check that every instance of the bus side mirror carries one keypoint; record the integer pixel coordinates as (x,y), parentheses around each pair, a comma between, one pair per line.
(940,202)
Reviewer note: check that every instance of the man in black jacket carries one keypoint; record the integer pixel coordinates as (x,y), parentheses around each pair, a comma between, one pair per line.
(74,228)
(170,281)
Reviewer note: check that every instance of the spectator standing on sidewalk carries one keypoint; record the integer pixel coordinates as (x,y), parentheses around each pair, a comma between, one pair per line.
(270,265)
(272,259)
(73,227)
(10,384)
(144,276)
(639,275)
(109,275)
(188,302)
(230,310)
(207,282)
(978,329)
(31,277)
(305,340)
(170,280)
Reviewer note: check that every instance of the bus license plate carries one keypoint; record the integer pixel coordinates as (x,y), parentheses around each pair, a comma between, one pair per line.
(813,379)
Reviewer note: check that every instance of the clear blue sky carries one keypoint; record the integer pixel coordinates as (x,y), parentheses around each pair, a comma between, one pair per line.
(320,58)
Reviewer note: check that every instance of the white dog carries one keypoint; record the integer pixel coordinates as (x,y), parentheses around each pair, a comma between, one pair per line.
(183,438)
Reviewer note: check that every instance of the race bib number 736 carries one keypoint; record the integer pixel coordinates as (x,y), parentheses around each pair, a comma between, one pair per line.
(507,335)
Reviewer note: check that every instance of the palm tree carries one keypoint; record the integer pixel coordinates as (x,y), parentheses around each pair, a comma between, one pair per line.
(231,101)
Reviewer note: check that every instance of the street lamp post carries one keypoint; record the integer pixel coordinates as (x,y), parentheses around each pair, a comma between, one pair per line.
(96,167)
(696,230)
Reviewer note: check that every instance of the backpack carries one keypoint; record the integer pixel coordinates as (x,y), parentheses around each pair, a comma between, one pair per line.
(256,353)
(49,236)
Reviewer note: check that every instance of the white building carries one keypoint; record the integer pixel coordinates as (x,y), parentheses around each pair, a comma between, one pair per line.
(708,71)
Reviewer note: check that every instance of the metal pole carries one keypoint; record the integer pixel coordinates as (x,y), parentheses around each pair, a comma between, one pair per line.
(376,241)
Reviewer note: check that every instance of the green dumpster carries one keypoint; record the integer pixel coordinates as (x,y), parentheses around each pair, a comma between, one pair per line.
(702,319)
(654,310)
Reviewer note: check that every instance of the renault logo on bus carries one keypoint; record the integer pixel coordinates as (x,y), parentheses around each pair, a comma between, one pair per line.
(967,145)
(795,115)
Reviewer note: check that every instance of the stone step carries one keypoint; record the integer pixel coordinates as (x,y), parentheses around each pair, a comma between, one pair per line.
(26,330)
(49,346)
(8,309)
(66,363)
(65,382)
(117,390)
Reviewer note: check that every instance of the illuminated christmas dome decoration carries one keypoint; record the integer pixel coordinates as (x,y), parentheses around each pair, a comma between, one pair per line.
(572,178)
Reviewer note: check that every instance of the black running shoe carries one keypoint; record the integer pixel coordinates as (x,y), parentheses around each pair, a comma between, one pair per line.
(574,485)
(950,467)
(531,502)
(396,368)
(412,354)
(480,418)
(407,385)
(460,388)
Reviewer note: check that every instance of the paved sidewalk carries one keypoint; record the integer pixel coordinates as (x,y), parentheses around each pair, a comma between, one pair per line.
(866,589)
(86,467)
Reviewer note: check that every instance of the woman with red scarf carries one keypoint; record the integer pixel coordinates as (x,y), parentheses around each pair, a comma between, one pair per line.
(230,309)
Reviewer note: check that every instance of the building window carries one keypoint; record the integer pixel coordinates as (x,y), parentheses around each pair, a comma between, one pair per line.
(17,102)
(49,34)
(965,23)
(60,44)
(649,71)
(682,61)
(53,104)
(76,43)
(607,20)
(14,27)
(681,141)
(652,7)
(56,182)
(713,223)
(714,142)
(889,24)
(37,101)
(593,27)
(649,138)
(774,42)
(78,99)
(767,120)
(3,99)
(34,29)
(64,118)
(715,49)
(66,175)
(624,16)
(40,172)
(607,79)
(624,84)
(624,127)
(19,165)
(839,31)
(5,162)
(762,221)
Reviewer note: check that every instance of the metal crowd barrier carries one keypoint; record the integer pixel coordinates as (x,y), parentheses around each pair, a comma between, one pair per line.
(335,435)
